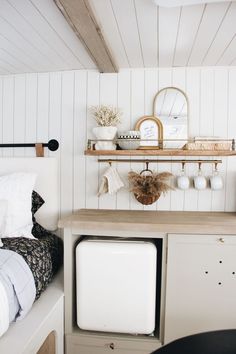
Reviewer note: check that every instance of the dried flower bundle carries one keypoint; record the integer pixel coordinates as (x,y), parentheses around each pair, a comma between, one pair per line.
(147,189)
(106,116)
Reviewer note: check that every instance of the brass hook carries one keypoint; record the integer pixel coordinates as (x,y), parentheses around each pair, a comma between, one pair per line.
(110,163)
(199,166)
(216,164)
(183,165)
(146,169)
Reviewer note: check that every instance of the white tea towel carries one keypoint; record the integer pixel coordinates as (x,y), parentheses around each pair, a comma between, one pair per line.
(111,182)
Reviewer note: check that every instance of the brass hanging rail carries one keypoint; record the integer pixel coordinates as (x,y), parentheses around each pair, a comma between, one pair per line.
(159,161)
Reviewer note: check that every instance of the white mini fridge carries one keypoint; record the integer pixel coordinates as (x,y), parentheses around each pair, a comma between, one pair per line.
(116,285)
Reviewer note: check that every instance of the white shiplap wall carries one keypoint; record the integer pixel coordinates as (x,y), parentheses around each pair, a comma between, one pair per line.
(38,107)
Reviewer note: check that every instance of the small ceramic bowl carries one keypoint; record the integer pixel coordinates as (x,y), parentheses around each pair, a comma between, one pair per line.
(129,140)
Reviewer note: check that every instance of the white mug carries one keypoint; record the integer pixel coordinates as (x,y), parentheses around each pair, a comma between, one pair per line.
(200,182)
(216,182)
(183,182)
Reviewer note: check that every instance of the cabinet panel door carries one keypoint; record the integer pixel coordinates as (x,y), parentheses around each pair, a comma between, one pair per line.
(201,284)
(72,349)
(104,344)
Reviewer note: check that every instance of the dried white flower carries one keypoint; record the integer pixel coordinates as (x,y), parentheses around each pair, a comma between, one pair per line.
(106,116)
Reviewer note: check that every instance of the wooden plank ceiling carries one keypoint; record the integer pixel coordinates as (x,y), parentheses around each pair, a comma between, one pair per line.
(35,37)
(140,34)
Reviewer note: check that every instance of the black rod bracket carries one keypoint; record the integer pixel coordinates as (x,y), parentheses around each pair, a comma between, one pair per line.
(52,145)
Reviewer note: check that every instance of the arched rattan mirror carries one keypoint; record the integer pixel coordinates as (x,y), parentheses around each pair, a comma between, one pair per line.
(170,106)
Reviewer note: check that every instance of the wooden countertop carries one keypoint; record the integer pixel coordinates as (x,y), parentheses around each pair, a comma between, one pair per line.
(150,221)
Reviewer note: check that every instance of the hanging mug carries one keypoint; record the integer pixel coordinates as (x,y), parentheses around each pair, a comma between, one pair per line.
(200,181)
(183,181)
(216,181)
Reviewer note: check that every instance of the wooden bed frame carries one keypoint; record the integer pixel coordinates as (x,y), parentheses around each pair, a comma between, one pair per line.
(46,316)
(42,330)
(49,346)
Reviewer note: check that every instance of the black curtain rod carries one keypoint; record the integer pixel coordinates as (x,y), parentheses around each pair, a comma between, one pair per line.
(52,145)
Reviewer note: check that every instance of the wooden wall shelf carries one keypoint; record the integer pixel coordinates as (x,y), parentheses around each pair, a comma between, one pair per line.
(165,152)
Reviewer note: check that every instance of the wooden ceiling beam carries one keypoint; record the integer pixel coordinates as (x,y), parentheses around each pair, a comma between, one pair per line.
(79,15)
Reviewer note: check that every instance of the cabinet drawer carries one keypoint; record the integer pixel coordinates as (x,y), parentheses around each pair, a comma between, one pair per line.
(201,284)
(95,344)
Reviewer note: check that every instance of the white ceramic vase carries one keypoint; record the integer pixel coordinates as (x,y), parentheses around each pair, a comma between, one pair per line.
(105,133)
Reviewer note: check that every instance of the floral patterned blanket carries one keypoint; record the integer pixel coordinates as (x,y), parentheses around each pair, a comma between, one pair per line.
(43,255)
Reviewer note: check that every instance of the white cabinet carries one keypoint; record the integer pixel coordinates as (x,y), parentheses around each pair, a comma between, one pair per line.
(197,281)
(201,284)
(92,342)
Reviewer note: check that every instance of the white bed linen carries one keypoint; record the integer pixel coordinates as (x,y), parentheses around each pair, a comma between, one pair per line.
(4,310)
(14,306)
(13,266)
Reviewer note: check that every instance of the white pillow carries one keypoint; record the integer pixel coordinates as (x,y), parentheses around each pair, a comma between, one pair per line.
(16,189)
(3,211)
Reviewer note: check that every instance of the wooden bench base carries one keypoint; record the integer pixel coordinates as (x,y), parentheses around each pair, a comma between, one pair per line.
(33,333)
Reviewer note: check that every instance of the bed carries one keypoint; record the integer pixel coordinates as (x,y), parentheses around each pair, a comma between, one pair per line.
(29,262)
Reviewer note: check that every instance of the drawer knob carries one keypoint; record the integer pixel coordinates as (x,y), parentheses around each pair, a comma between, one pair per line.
(221,239)
(112,346)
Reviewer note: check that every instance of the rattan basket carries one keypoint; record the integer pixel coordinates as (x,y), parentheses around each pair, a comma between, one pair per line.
(147,199)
